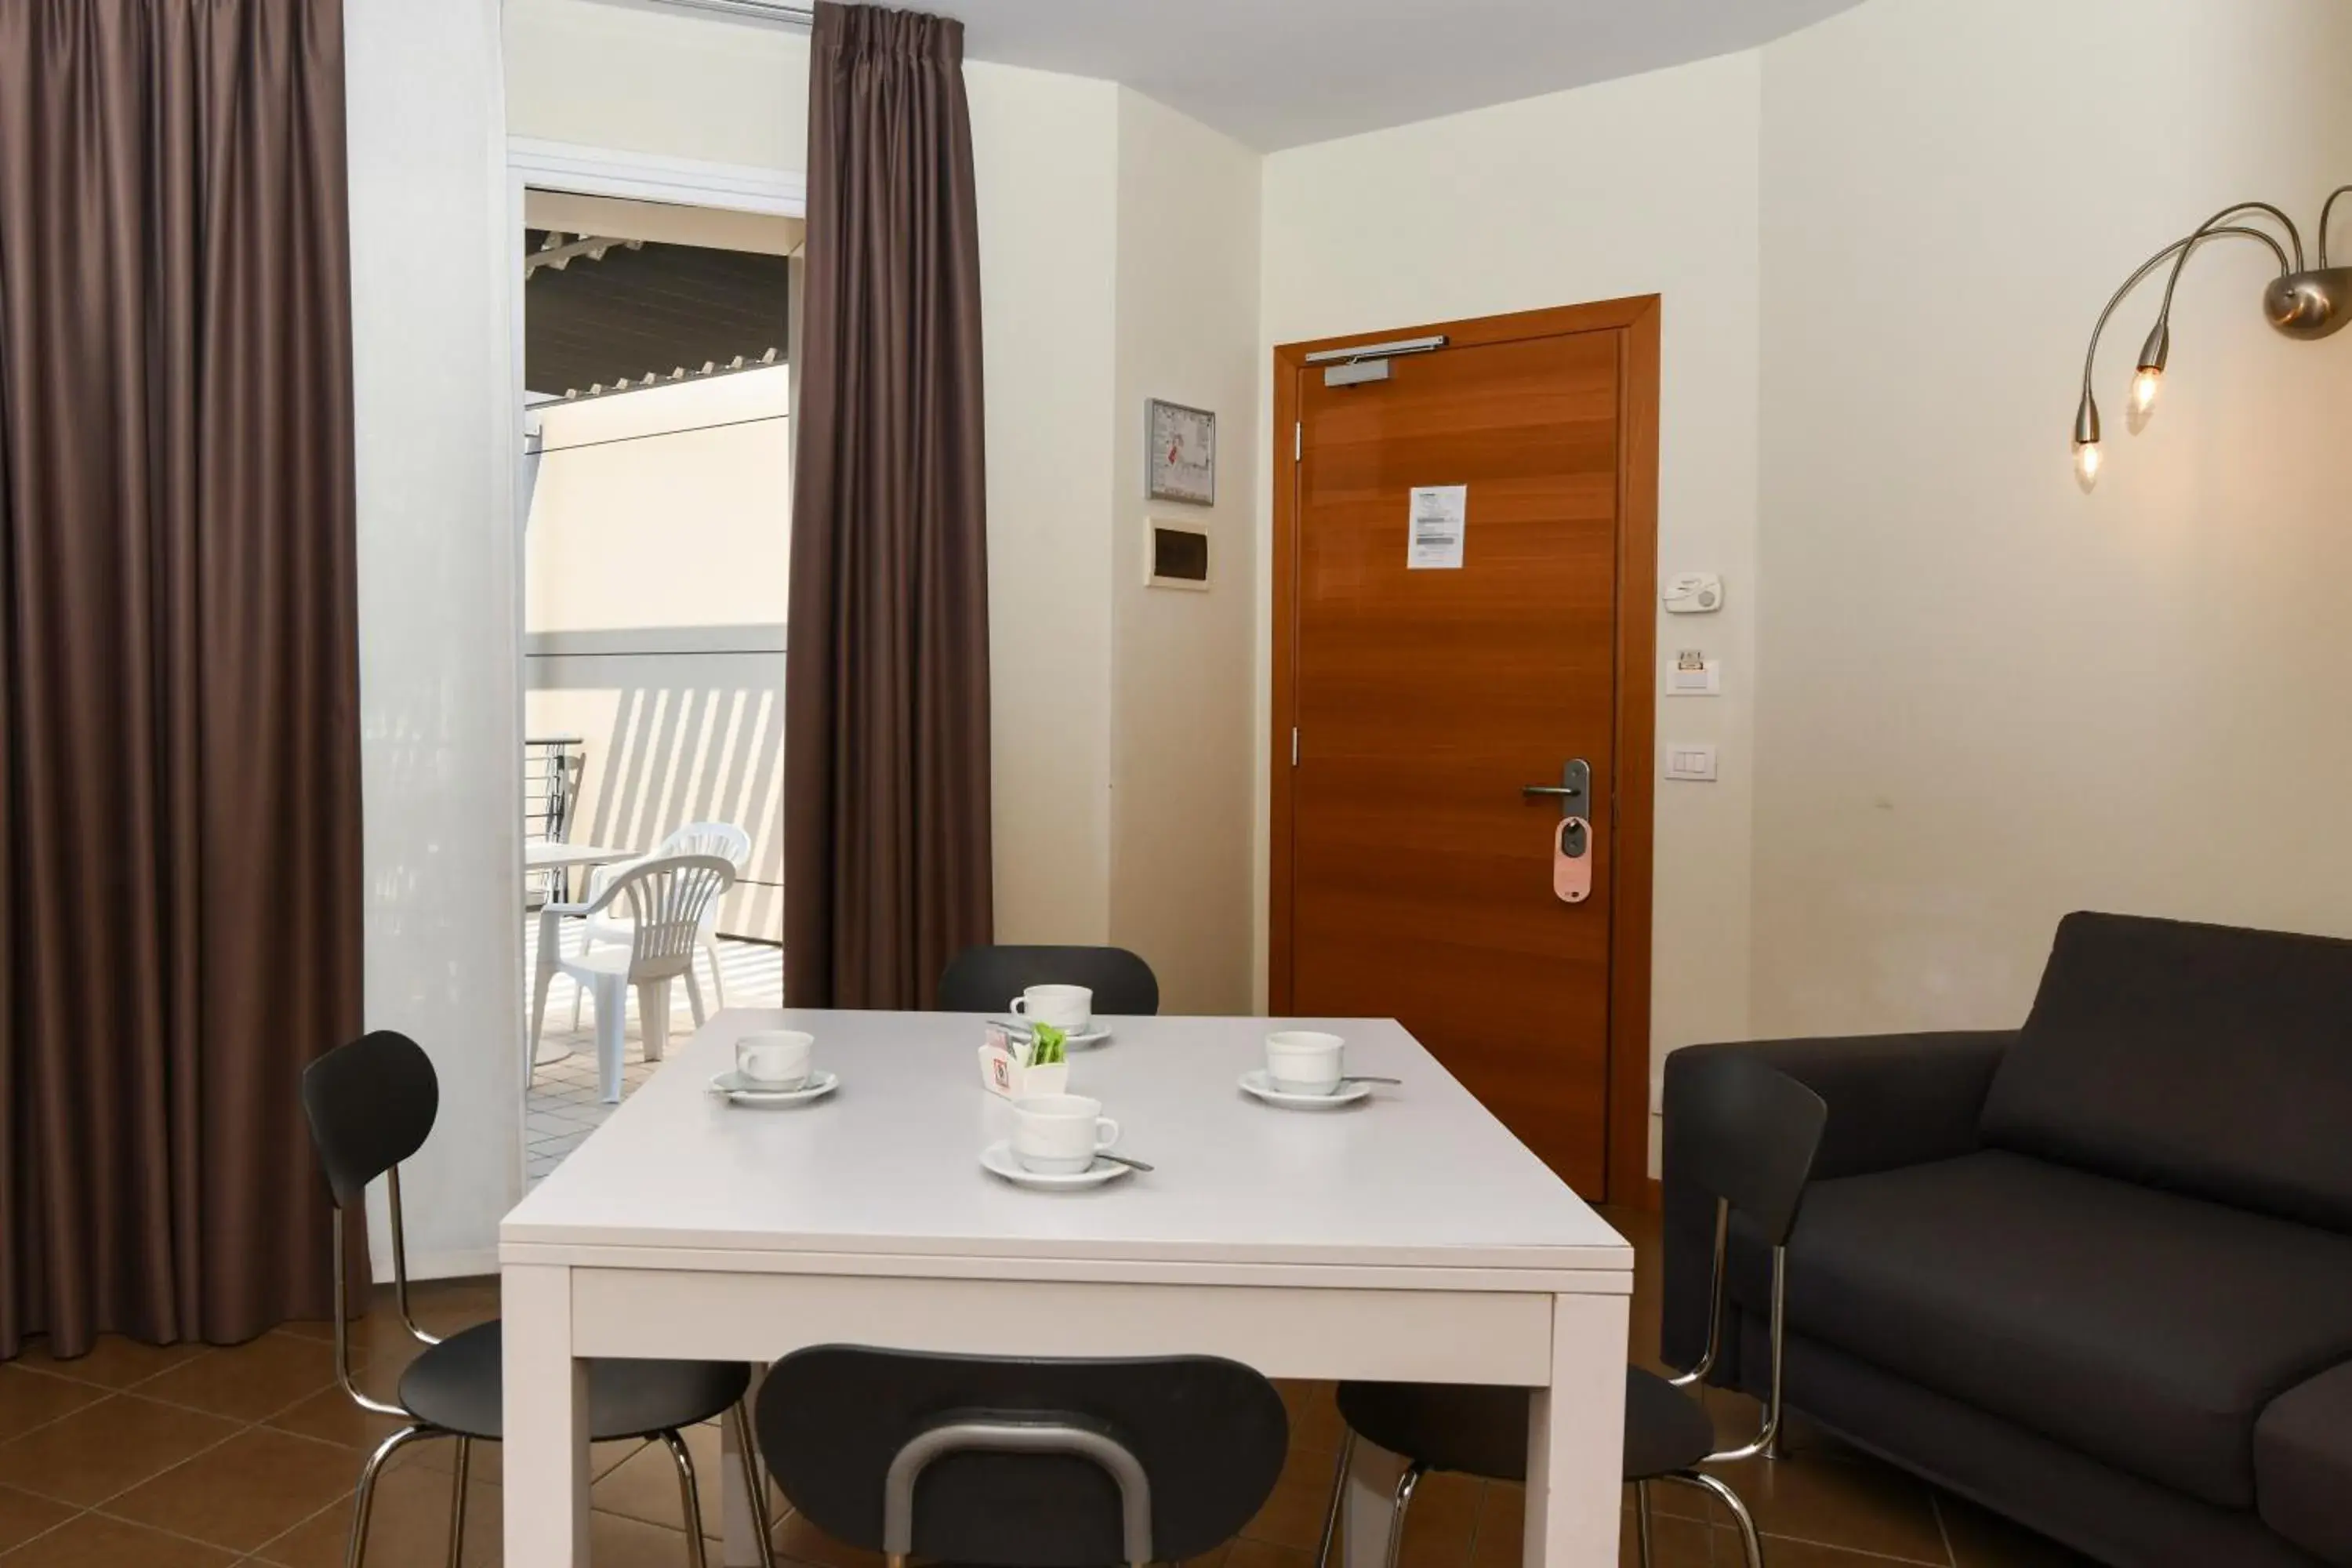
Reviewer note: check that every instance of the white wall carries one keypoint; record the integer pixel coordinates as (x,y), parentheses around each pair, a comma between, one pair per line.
(657,571)
(438,710)
(1645,186)
(1045,154)
(685,84)
(1988,699)
(1182,757)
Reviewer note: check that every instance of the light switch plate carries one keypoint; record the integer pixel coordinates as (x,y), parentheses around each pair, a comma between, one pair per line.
(1696,764)
(1692,674)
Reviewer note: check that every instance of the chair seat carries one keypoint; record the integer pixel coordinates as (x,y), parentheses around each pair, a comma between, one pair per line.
(454,1385)
(596,961)
(1482,1430)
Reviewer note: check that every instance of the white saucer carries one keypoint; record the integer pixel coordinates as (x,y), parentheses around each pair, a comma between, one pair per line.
(998,1160)
(1256,1084)
(1086,1041)
(738,1089)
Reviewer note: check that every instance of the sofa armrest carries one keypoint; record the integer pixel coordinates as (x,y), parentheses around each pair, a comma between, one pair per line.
(1894,1099)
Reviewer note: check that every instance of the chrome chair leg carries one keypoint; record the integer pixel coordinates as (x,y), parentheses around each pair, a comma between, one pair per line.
(458,1483)
(755,1482)
(1338,1500)
(1405,1485)
(1751,1550)
(363,1499)
(690,1498)
(1641,1525)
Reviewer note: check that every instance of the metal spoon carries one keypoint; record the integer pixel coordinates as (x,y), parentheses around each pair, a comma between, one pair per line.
(1353,1078)
(1121,1160)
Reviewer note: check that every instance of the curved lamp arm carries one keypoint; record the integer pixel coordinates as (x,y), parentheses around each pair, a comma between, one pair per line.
(2212,224)
(2086,418)
(2324,212)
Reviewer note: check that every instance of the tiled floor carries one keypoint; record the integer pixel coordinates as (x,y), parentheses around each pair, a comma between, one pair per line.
(563,1107)
(192,1457)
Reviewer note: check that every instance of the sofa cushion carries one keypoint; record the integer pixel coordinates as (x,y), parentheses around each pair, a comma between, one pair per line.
(2201,1059)
(2148,1330)
(2303,1464)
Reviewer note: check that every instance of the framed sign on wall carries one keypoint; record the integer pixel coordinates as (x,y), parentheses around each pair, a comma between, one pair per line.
(1180,453)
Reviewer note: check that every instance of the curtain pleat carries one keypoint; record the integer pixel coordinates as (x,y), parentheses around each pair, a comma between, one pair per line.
(886,847)
(180,896)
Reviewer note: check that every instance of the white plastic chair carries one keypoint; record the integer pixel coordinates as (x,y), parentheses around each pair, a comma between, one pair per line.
(723,839)
(666,899)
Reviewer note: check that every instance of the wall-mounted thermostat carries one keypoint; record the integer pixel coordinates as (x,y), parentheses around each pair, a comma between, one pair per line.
(1694,593)
(1175,555)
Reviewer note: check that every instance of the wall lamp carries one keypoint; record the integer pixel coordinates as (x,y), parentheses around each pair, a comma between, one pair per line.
(2304,302)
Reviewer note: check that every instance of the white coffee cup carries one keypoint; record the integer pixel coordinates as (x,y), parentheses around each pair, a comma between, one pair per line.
(1058,1134)
(1301,1061)
(1068,1008)
(774,1058)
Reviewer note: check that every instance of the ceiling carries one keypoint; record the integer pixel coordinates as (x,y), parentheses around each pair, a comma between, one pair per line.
(1280,73)
(648,312)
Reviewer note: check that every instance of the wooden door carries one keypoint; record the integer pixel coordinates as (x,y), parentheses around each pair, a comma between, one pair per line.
(1412,877)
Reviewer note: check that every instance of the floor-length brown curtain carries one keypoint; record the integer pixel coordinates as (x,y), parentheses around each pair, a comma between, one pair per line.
(179,747)
(886,868)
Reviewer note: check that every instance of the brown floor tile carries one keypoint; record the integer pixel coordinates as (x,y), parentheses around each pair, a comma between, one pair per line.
(113,1363)
(1502,1526)
(1264,1554)
(249,1380)
(30,1399)
(1292,1516)
(489,1458)
(250,1489)
(1315,1423)
(617,1542)
(645,1485)
(109,1447)
(24,1516)
(1984,1540)
(1680,1544)
(411,1528)
(1215,1559)
(332,1417)
(94,1541)
(1862,1505)
(799,1540)
(1440,1524)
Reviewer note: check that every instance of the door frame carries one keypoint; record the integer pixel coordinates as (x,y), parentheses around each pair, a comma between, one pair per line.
(1632,790)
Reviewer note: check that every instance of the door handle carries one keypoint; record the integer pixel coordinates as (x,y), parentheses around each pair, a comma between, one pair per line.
(1574,791)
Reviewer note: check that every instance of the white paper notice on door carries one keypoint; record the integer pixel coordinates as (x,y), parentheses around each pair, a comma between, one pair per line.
(1440,514)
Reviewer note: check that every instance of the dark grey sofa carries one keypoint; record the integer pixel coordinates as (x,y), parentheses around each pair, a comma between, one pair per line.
(2094,1273)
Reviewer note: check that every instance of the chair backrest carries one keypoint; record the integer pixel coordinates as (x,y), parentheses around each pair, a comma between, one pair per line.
(1745,1133)
(986,979)
(668,899)
(1022,1463)
(724,839)
(370,1104)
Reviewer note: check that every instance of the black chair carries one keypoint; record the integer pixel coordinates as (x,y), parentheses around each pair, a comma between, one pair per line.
(1014,1463)
(372,1104)
(986,979)
(1748,1140)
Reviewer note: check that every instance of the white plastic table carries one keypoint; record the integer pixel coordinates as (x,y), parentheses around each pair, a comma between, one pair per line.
(1409,1237)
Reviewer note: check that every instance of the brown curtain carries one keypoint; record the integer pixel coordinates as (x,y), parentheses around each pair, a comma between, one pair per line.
(885,692)
(179,744)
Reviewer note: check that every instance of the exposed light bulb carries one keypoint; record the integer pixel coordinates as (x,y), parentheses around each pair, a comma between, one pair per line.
(2144,389)
(2086,461)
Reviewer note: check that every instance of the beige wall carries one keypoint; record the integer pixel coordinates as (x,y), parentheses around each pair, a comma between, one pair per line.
(1181,754)
(1988,699)
(656,572)
(1646,186)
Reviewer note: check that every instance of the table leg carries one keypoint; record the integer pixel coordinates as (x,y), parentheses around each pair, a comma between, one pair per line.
(546,1421)
(1576,1438)
(1372,1475)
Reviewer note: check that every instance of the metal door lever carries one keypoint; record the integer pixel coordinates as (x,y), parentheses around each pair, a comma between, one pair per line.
(1574,791)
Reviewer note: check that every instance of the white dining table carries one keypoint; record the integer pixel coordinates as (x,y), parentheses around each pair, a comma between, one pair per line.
(1409,1237)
